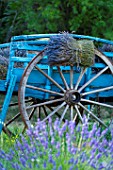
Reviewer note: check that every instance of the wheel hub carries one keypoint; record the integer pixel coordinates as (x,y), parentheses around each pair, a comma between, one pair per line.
(72,98)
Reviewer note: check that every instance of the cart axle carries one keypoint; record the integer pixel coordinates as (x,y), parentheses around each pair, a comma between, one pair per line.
(72,98)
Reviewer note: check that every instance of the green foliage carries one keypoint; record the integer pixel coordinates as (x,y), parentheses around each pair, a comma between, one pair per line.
(86,17)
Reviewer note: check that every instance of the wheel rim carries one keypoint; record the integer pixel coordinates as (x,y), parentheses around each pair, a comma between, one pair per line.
(10,127)
(71,97)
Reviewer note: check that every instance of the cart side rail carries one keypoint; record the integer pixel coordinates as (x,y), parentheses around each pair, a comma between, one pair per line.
(24,47)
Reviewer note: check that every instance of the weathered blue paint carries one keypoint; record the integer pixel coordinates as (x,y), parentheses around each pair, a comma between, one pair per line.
(2,86)
(87,78)
(4,45)
(38,36)
(7,101)
(48,83)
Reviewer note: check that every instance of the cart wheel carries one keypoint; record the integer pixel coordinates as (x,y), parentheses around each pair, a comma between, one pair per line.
(11,119)
(69,99)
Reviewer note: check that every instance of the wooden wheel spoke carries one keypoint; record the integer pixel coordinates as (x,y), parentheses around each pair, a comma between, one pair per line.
(97,103)
(71,77)
(80,78)
(45,103)
(75,117)
(54,111)
(31,113)
(71,109)
(78,113)
(13,119)
(30,116)
(13,104)
(105,59)
(63,78)
(93,78)
(7,131)
(44,90)
(51,79)
(46,114)
(16,103)
(98,90)
(64,112)
(90,113)
(16,116)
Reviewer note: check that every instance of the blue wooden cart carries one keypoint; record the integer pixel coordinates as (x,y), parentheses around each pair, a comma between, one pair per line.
(61,91)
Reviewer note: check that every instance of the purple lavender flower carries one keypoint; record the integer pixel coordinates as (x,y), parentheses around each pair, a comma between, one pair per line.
(83,157)
(71,168)
(30,132)
(71,127)
(78,128)
(84,144)
(85,120)
(45,164)
(56,125)
(97,133)
(104,132)
(9,157)
(58,145)
(51,160)
(101,166)
(92,153)
(93,131)
(68,139)
(52,141)
(71,161)
(98,156)
(2,154)
(63,128)
(85,132)
(16,166)
(92,142)
(104,142)
(76,161)
(2,167)
(73,150)
(60,168)
(29,165)
(92,164)
(51,131)
(23,161)
(58,154)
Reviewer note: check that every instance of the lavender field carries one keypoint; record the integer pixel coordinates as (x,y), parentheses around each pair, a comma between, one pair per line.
(58,147)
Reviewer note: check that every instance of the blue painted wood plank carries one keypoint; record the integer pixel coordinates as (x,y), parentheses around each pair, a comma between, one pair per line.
(2,85)
(4,45)
(109,54)
(25,46)
(7,101)
(37,36)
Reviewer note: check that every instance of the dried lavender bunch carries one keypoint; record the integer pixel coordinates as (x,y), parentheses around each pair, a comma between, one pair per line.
(107,48)
(4,60)
(63,49)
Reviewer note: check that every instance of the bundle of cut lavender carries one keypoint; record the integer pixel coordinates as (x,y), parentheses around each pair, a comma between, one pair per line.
(63,49)
(4,60)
